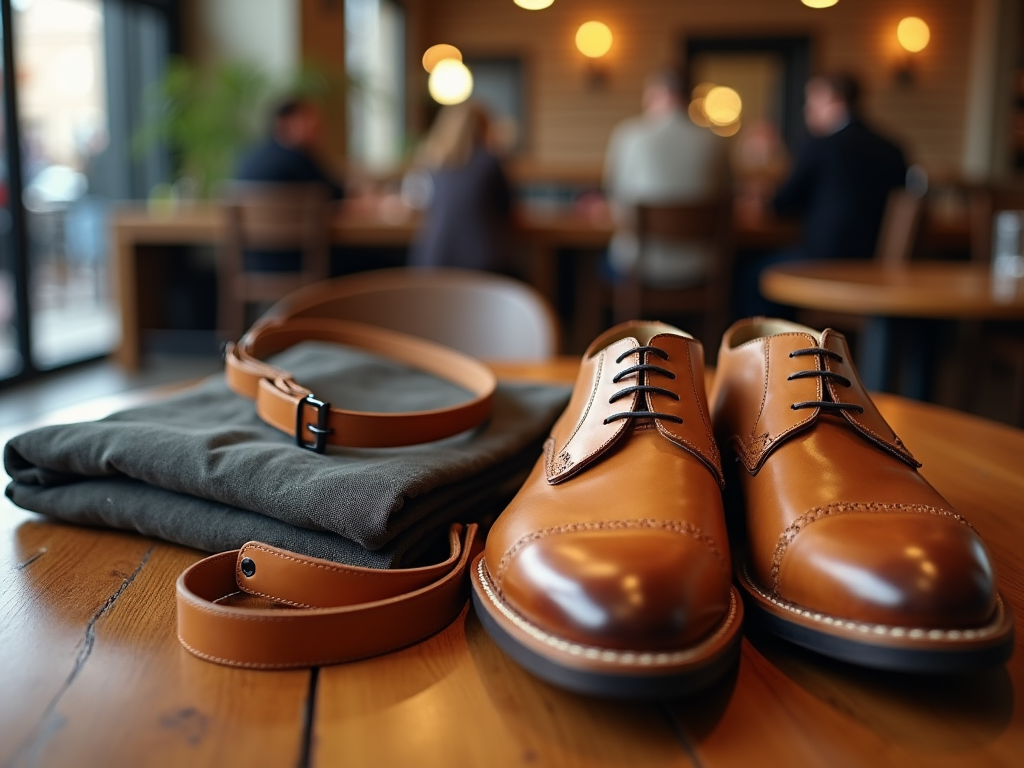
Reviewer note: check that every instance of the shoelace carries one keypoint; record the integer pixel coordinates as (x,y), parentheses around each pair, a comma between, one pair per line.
(642,371)
(827,405)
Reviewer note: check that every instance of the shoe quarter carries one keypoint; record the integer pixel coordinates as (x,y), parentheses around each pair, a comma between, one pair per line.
(870,422)
(582,434)
(686,361)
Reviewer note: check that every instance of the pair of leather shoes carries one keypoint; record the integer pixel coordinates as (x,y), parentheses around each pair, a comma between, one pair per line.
(610,572)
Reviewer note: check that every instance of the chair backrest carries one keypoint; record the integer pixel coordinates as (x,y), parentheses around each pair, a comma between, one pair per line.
(985,203)
(279,217)
(485,315)
(900,227)
(288,218)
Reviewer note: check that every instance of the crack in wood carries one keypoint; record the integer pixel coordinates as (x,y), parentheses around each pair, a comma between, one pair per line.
(22,566)
(308,716)
(51,721)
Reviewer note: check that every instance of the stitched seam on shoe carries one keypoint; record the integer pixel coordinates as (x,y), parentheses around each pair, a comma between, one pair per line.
(594,653)
(841,508)
(593,393)
(971,633)
(714,461)
(685,528)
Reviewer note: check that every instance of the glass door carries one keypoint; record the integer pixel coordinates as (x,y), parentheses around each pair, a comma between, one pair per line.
(75,72)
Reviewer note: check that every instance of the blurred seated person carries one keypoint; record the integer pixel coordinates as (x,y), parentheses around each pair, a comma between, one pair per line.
(839,186)
(466,193)
(661,158)
(288,156)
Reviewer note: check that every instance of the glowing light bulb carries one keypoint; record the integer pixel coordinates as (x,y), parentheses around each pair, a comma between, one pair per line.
(533,5)
(594,39)
(722,105)
(913,34)
(726,130)
(439,52)
(819,3)
(451,82)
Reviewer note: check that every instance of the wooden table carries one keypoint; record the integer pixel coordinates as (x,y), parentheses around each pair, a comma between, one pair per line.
(93,674)
(900,304)
(917,289)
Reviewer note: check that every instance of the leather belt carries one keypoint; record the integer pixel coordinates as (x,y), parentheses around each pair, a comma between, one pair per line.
(293,409)
(337,612)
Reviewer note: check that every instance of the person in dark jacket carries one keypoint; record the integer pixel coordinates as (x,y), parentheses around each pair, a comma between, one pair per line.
(466,193)
(288,156)
(839,186)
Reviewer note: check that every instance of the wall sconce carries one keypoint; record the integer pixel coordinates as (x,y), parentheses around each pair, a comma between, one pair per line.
(594,40)
(533,5)
(913,35)
(819,3)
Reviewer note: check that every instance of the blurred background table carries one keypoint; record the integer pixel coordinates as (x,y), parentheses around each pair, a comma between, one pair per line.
(94,675)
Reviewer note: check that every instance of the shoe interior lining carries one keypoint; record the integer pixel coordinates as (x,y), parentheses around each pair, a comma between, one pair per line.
(641,330)
(769,327)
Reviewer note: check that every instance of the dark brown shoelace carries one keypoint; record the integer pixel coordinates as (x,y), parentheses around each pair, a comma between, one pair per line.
(828,405)
(643,370)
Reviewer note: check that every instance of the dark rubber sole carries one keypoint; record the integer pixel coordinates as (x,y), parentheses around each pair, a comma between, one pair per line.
(617,686)
(912,660)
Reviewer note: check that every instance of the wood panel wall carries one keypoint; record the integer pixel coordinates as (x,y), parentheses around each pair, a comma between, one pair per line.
(571,122)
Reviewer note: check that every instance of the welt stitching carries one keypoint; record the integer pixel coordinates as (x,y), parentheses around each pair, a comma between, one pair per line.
(607,525)
(790,533)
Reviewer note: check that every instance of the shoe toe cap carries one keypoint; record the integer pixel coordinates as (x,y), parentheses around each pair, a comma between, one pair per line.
(633,589)
(918,570)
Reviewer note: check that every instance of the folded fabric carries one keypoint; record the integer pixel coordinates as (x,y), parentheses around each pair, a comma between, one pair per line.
(202,469)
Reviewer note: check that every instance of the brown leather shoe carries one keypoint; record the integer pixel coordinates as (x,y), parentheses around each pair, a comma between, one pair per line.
(609,572)
(850,551)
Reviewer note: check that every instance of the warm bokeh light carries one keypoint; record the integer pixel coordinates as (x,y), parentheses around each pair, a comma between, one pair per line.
(913,34)
(696,113)
(439,52)
(726,130)
(451,82)
(701,90)
(819,3)
(722,105)
(594,39)
(533,5)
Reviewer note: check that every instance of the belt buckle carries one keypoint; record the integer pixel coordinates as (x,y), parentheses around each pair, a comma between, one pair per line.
(320,430)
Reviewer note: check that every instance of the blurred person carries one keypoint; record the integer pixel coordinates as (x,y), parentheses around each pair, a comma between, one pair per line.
(289,153)
(839,186)
(461,183)
(661,157)
(288,156)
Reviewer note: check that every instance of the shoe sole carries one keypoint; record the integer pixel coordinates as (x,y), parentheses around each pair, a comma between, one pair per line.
(601,671)
(900,649)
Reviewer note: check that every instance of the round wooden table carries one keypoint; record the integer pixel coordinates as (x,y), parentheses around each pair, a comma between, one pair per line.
(892,297)
(937,290)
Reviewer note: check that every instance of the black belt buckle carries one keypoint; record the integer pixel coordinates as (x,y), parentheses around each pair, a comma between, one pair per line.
(320,430)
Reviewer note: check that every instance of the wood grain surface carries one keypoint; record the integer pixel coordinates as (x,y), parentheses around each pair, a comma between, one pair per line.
(92,672)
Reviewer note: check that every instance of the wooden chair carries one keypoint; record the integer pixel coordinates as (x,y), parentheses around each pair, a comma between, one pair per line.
(707,224)
(482,314)
(1004,348)
(901,225)
(279,218)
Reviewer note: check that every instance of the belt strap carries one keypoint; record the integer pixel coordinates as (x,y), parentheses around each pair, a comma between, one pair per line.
(293,409)
(338,612)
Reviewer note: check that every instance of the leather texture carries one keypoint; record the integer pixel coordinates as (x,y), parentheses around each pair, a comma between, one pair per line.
(279,398)
(337,612)
(838,519)
(617,540)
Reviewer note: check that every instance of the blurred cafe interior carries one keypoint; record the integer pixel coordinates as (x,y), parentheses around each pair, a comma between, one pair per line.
(130,127)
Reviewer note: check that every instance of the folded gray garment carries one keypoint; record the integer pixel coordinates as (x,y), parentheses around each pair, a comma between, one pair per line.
(202,469)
